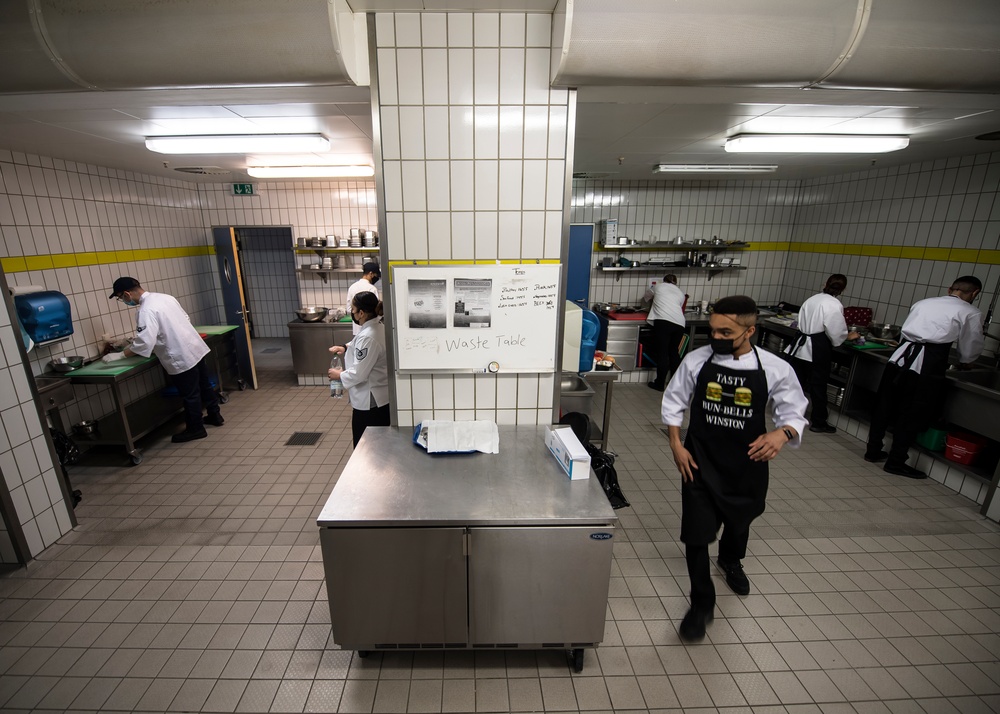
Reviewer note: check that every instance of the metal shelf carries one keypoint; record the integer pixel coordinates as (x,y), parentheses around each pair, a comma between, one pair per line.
(308,249)
(667,268)
(674,246)
(323,272)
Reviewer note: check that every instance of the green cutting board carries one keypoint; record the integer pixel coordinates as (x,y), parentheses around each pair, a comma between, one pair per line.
(215,329)
(110,369)
(872,346)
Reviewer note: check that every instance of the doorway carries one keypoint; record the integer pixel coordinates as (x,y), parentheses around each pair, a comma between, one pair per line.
(267,264)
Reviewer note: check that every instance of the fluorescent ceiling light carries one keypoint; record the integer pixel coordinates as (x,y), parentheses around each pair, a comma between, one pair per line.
(310,171)
(816,143)
(714,168)
(238,144)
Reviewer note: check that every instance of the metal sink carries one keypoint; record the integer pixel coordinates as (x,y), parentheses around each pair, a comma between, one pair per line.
(574,384)
(987,379)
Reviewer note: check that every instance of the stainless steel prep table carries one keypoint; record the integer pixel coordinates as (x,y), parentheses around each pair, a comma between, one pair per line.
(492,551)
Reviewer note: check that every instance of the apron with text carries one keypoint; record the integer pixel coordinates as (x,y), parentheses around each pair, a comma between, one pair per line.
(727,414)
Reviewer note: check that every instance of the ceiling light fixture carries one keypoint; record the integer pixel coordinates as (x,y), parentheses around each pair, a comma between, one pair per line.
(714,168)
(311,171)
(816,143)
(239,144)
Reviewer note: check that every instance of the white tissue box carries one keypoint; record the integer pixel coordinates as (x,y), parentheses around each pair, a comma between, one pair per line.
(569,452)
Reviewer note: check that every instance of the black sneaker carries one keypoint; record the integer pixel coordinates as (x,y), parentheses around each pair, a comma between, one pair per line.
(903,470)
(823,429)
(736,579)
(188,436)
(215,420)
(654,385)
(693,625)
(875,457)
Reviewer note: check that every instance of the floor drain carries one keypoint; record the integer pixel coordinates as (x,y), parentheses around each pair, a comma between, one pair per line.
(304,438)
(270,350)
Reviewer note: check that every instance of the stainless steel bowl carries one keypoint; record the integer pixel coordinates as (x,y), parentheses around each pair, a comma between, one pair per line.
(86,427)
(67,364)
(312,314)
(884,331)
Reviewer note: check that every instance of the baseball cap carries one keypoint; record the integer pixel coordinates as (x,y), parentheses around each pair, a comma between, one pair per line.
(370,268)
(121,285)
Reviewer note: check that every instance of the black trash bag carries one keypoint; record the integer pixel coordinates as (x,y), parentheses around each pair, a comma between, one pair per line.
(68,453)
(603,462)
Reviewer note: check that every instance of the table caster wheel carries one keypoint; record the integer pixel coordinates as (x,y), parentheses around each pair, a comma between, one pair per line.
(136,457)
(577,659)
(242,384)
(363,653)
(223,397)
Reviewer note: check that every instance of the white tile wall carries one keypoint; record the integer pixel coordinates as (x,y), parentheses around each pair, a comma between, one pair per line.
(947,204)
(475,173)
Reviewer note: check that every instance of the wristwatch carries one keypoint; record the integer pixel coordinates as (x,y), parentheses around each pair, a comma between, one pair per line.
(788,433)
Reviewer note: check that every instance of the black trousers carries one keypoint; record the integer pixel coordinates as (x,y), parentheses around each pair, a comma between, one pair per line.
(813,379)
(361,419)
(908,402)
(732,548)
(195,389)
(667,338)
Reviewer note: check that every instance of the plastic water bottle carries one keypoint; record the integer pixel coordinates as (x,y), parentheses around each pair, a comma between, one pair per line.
(336,386)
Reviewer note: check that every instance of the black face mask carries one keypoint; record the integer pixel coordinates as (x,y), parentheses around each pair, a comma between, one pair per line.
(355,319)
(721,346)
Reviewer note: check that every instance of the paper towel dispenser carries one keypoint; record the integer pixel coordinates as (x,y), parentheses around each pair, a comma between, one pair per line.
(44,315)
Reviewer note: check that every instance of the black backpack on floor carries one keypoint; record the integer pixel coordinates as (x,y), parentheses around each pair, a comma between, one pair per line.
(603,462)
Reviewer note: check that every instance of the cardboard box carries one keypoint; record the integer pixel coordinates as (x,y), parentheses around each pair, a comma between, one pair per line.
(569,452)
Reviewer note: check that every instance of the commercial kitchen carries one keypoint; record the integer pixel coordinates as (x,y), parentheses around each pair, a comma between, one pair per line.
(544,136)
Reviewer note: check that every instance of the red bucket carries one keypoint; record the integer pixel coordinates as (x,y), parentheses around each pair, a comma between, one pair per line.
(963,448)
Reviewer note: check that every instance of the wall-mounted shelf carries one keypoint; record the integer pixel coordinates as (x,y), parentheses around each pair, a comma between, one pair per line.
(674,246)
(712,272)
(321,251)
(323,272)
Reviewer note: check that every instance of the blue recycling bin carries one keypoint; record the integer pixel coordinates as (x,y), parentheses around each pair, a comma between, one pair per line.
(588,340)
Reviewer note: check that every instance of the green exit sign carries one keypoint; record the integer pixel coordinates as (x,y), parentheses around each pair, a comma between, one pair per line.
(243,189)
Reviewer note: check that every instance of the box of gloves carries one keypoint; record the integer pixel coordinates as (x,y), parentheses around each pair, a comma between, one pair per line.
(568,451)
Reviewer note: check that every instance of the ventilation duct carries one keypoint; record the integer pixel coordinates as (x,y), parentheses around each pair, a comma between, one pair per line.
(61,45)
(861,44)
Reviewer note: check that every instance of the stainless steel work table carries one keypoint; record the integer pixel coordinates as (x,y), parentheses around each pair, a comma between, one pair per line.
(491,551)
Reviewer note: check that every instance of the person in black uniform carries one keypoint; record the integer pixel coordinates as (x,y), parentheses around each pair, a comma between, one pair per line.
(723,462)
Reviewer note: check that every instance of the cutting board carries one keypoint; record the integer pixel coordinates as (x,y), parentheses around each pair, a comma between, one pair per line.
(109,369)
(214,329)
(872,346)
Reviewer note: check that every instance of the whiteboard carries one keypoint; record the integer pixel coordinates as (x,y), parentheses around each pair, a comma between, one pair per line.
(476,318)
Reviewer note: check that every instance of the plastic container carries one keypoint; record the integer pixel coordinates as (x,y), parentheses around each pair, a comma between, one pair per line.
(933,439)
(963,448)
(336,386)
(588,340)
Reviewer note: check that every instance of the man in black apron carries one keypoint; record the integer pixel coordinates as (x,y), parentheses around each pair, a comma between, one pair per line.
(723,461)
(821,329)
(911,392)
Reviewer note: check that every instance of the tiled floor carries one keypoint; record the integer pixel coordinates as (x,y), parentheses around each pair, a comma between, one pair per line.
(194,583)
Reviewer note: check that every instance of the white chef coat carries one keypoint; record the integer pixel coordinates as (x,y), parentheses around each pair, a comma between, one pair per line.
(361,286)
(366,374)
(164,329)
(943,320)
(820,313)
(784,395)
(668,303)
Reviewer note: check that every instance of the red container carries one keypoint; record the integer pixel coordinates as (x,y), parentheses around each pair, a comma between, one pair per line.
(963,448)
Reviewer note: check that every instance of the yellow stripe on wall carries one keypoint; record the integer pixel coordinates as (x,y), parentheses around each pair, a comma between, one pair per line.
(25,263)
(982,256)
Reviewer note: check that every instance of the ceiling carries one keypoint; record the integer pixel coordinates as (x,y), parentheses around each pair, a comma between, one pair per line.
(621,131)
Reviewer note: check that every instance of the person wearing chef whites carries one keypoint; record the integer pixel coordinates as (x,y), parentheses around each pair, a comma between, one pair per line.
(371,274)
(728,385)
(365,374)
(821,328)
(911,391)
(666,315)
(164,329)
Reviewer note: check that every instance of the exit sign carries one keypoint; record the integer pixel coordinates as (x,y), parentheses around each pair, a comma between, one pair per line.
(243,189)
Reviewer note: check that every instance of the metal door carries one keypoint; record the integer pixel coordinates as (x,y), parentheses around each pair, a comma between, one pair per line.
(396,586)
(538,586)
(581,246)
(232,298)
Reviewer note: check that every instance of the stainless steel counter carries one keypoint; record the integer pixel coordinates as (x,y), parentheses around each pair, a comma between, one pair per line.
(465,551)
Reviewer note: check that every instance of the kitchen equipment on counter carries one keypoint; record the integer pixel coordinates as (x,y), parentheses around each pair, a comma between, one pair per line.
(85,427)
(884,331)
(717,241)
(854,315)
(699,241)
(312,314)
(679,240)
(67,364)
(45,315)
(860,329)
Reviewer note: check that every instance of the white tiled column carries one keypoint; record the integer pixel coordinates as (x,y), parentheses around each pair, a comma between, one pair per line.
(474,147)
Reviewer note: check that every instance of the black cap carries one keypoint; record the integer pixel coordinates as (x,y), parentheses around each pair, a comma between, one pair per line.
(121,285)
(371,268)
